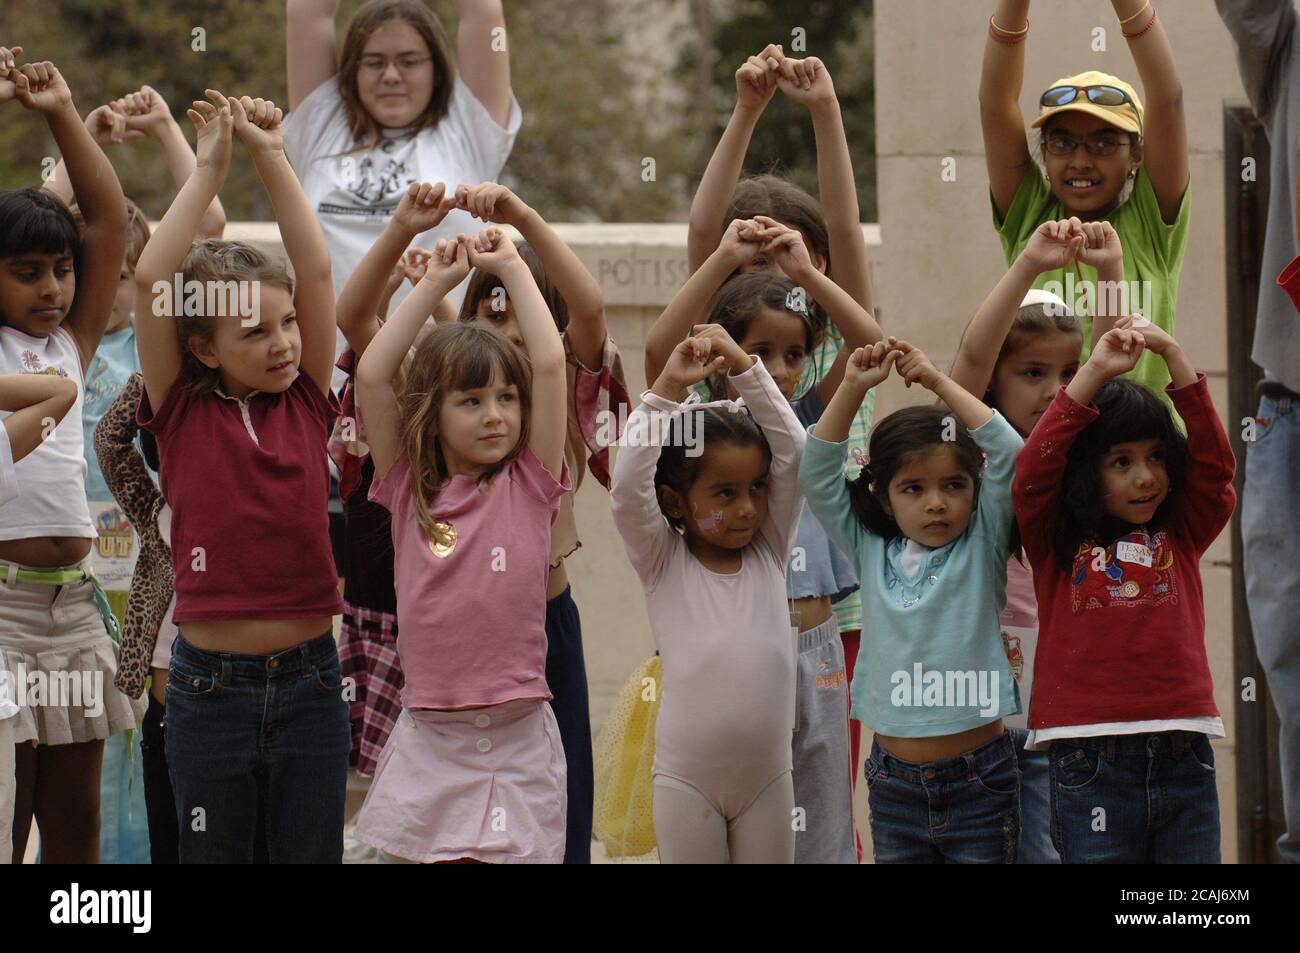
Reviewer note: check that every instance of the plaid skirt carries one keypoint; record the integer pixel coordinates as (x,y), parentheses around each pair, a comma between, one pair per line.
(368,640)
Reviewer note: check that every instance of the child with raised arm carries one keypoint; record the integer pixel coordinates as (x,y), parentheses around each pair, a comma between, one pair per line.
(780,321)
(137,115)
(56,296)
(237,397)
(831,231)
(469,460)
(1103,156)
(33,405)
(1116,508)
(1021,347)
(928,526)
(706,502)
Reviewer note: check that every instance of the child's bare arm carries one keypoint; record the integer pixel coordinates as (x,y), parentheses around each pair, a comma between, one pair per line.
(311,55)
(37,403)
(493,252)
(586,331)
(1052,245)
(755,85)
(41,88)
(258,123)
(1006,148)
(383,356)
(156,338)
(148,112)
(808,82)
(423,207)
(689,307)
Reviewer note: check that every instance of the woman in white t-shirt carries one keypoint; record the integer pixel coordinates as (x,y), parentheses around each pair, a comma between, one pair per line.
(393,108)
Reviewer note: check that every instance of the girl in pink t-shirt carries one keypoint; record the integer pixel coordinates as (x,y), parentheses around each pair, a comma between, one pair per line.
(1021,347)
(468,448)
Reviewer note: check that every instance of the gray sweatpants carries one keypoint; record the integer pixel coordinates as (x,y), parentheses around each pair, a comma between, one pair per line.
(823,793)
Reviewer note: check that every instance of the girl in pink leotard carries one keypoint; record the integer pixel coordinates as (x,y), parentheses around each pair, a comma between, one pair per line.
(705,498)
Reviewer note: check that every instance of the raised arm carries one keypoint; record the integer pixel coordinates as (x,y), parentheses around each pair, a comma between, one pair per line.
(755,86)
(855,324)
(586,331)
(37,402)
(147,111)
(387,349)
(1006,149)
(740,243)
(548,425)
(1053,245)
(311,53)
(423,207)
(809,82)
(784,433)
(1164,138)
(258,123)
(483,55)
(41,88)
(156,338)
(634,499)
(1263,31)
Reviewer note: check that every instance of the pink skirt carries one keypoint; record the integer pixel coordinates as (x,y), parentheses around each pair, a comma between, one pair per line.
(483,784)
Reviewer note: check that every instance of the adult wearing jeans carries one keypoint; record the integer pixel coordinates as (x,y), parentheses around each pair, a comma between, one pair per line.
(1265,35)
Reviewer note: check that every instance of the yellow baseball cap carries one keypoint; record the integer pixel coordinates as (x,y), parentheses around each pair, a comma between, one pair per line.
(1097,94)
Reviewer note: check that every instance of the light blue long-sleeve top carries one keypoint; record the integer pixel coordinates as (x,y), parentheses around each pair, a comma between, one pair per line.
(931,661)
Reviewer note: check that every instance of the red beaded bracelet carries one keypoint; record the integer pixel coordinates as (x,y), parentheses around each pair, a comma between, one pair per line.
(1134,36)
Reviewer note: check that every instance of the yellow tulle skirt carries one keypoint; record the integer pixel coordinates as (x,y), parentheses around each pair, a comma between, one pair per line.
(624,755)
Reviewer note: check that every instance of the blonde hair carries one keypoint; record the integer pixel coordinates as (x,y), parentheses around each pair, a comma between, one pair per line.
(452,357)
(137,230)
(217,260)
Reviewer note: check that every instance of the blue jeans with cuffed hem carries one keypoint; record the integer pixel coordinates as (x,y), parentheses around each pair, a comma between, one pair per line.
(962,810)
(257,747)
(1135,799)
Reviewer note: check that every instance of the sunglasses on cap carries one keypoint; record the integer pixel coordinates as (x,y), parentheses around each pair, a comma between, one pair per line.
(1098,95)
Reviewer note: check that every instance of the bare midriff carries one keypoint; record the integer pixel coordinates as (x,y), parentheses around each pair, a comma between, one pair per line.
(254,636)
(46,552)
(923,750)
(810,611)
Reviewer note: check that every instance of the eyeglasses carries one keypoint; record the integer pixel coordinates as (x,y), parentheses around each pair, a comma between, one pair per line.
(404,64)
(1099,95)
(1098,144)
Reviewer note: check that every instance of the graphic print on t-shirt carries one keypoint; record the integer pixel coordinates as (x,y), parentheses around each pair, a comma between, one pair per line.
(1135,570)
(371,185)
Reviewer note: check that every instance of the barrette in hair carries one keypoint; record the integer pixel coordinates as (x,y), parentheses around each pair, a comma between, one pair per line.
(795,300)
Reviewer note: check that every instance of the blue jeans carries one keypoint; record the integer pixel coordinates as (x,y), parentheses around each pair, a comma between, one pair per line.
(1270,535)
(1135,799)
(1035,804)
(257,747)
(963,810)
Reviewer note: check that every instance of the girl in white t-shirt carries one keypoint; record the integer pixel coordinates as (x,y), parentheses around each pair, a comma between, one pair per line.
(393,108)
(56,298)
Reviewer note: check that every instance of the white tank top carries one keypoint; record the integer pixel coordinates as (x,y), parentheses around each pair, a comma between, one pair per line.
(52,478)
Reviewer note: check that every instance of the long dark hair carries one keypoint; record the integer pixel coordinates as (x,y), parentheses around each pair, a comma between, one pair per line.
(1129,413)
(895,442)
(712,427)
